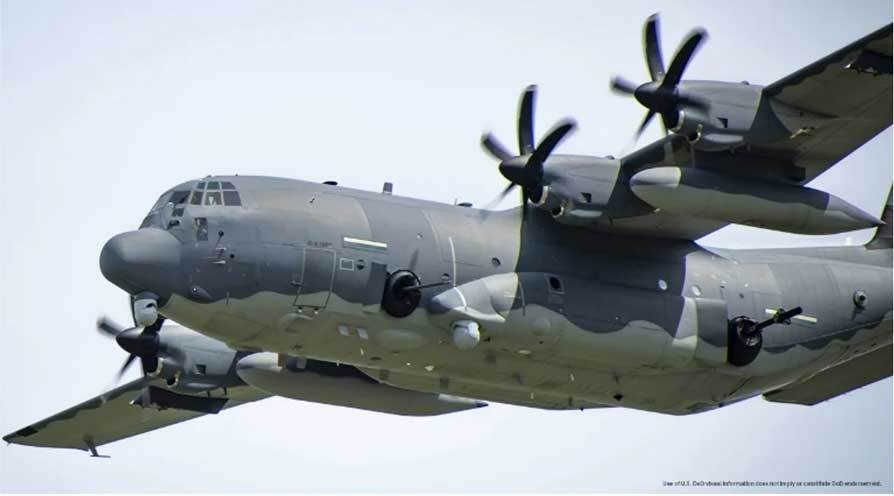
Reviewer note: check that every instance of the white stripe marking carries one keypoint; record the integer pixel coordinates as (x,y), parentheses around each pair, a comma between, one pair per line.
(366,242)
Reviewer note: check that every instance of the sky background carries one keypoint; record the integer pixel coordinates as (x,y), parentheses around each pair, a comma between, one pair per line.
(106,105)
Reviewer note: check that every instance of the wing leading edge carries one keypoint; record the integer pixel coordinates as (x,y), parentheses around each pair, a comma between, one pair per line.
(848,93)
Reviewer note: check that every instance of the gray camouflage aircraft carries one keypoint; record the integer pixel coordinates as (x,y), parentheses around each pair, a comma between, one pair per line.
(592,294)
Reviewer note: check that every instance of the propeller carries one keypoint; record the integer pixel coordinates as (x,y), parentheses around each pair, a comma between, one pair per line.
(138,342)
(526,169)
(660,95)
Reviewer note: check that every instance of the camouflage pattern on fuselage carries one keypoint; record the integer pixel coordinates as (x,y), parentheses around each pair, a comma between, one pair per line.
(569,317)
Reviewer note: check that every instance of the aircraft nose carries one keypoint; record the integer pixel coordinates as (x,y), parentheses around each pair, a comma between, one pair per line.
(139,260)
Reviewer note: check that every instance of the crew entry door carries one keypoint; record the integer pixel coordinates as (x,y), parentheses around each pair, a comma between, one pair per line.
(316,268)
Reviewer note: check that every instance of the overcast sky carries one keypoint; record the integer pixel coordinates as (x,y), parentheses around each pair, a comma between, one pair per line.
(106,105)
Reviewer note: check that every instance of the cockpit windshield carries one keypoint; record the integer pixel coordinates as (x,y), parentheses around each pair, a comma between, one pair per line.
(200,193)
(216,193)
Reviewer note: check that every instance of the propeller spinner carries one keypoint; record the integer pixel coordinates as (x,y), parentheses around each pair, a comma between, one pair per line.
(660,95)
(526,169)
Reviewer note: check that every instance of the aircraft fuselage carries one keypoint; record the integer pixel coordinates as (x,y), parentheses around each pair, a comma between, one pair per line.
(564,317)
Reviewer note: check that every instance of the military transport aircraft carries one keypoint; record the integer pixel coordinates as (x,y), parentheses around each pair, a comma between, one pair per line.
(592,294)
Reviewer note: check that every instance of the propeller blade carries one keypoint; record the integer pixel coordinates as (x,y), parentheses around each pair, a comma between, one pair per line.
(526,121)
(642,127)
(682,57)
(107,327)
(144,397)
(497,150)
(654,61)
(150,364)
(493,203)
(486,209)
(534,166)
(622,86)
(156,326)
(123,369)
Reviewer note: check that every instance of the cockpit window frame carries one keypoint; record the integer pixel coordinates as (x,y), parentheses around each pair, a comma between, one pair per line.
(179,196)
(222,193)
(212,199)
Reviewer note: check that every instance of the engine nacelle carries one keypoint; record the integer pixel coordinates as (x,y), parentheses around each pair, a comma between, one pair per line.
(566,209)
(704,133)
(191,363)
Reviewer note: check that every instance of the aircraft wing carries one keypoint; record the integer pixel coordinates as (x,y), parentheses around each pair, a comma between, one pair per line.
(852,374)
(111,416)
(849,92)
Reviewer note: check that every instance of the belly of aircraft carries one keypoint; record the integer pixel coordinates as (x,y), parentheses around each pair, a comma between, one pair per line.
(637,366)
(413,353)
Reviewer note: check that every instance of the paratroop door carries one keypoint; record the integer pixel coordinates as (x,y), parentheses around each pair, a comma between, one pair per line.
(317,268)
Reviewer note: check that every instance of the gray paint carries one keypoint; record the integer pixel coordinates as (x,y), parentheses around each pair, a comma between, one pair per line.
(611,286)
(624,319)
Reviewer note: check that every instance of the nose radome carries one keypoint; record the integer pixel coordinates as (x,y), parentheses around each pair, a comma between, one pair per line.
(135,260)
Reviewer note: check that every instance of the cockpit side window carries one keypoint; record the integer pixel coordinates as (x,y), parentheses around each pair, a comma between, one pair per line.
(162,200)
(196,198)
(231,198)
(179,197)
(201,229)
